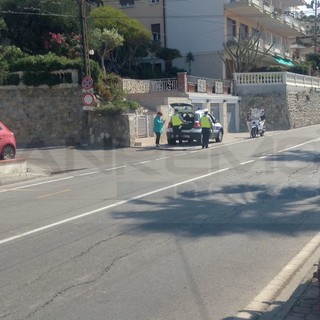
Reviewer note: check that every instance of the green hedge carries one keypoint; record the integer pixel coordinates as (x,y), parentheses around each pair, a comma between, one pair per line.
(37,70)
(49,62)
(50,79)
(12,80)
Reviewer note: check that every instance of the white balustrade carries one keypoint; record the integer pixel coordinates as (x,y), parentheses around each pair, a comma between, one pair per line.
(274,78)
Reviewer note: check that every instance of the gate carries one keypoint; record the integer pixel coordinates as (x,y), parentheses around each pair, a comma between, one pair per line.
(144,126)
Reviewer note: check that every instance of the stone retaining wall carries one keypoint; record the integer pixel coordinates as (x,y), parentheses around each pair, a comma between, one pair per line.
(53,116)
(284,110)
(41,115)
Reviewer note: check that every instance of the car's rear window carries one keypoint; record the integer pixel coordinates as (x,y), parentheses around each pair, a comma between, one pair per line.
(197,117)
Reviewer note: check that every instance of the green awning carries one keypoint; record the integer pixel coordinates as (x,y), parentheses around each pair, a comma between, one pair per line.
(284,61)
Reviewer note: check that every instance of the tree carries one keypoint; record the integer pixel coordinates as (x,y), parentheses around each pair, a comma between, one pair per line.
(30,21)
(136,36)
(168,55)
(315,29)
(104,42)
(189,60)
(245,52)
(312,37)
(112,96)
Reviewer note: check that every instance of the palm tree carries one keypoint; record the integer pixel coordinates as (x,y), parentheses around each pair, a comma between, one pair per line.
(189,60)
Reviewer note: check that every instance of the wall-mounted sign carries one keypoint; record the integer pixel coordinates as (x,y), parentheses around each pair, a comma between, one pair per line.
(88,99)
(87,83)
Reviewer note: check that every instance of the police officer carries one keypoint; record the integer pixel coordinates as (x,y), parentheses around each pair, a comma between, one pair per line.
(177,122)
(206,126)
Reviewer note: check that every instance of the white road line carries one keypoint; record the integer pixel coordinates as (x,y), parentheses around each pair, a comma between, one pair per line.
(36,184)
(119,203)
(179,154)
(86,174)
(246,162)
(141,162)
(115,168)
(299,145)
(163,158)
(266,297)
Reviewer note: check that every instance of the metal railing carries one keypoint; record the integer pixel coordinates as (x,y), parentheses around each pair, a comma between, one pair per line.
(147,86)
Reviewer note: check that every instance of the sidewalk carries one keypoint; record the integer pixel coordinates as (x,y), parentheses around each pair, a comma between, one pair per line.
(305,301)
(228,137)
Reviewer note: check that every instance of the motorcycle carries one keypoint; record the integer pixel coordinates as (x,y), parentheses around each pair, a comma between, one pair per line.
(257,127)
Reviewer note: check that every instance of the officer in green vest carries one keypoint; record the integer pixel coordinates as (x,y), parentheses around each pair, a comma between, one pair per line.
(206,126)
(177,122)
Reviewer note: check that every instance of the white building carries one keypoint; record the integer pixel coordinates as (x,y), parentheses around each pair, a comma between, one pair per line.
(202,26)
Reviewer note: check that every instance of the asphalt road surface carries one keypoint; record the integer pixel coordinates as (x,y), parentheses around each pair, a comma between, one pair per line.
(145,234)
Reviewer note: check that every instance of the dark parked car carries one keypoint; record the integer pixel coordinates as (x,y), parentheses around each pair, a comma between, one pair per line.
(191,130)
(7,143)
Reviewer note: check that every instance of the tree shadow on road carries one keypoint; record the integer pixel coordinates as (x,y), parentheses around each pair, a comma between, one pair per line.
(231,209)
(253,210)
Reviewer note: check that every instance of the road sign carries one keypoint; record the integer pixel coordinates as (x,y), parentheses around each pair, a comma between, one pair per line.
(88,99)
(87,83)
(88,108)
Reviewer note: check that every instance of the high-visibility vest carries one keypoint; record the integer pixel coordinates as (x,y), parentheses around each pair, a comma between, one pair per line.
(205,122)
(175,119)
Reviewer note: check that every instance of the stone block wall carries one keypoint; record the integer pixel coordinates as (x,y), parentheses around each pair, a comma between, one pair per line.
(275,107)
(284,110)
(113,131)
(304,108)
(43,116)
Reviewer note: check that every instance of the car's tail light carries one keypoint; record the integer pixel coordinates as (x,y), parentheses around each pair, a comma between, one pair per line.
(196,124)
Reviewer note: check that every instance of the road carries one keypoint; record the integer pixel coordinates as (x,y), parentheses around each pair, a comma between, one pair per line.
(145,234)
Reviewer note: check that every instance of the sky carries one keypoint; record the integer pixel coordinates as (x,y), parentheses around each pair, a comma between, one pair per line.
(305,9)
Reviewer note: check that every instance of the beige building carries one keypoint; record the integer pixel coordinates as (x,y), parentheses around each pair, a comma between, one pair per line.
(201,27)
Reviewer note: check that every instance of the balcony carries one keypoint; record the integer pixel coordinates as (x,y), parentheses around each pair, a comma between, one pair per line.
(182,83)
(272,18)
(275,79)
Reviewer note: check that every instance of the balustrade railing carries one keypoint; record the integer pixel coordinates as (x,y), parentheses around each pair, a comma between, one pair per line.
(275,78)
(204,84)
(147,86)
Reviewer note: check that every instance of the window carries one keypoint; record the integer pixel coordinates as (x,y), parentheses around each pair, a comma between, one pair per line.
(231,29)
(244,30)
(278,44)
(155,29)
(126,3)
(155,1)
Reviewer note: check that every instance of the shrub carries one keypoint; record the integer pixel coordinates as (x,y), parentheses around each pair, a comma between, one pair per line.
(12,80)
(49,62)
(4,71)
(50,79)
(117,107)
(11,54)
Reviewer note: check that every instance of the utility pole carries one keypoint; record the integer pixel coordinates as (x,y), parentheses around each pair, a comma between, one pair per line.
(84,37)
(316,3)
(85,66)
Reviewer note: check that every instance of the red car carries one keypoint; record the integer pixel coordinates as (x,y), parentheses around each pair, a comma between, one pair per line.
(7,143)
